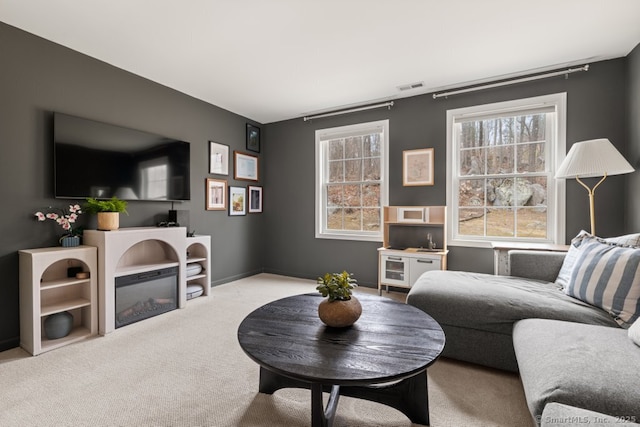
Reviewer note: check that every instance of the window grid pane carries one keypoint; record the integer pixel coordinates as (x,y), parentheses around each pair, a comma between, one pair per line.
(510,201)
(353,198)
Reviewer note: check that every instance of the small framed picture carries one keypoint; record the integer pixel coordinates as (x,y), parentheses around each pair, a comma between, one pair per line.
(245,166)
(417,167)
(255,199)
(237,201)
(253,138)
(218,158)
(216,197)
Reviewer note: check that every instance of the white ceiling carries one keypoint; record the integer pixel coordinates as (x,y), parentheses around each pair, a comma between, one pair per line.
(271,60)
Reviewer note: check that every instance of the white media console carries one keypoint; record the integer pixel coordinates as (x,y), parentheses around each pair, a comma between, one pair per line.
(144,249)
(46,287)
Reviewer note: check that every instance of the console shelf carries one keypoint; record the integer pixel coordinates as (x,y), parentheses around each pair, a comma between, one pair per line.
(62,282)
(143,268)
(130,251)
(141,249)
(77,334)
(198,252)
(45,289)
(64,306)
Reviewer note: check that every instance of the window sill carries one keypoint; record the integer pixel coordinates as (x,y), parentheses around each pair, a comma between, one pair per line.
(497,244)
(355,237)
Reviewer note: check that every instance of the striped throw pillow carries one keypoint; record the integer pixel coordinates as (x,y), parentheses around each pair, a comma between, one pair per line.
(564,275)
(627,240)
(608,276)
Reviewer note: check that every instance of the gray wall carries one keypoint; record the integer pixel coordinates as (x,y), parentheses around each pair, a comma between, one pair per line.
(38,77)
(633,151)
(597,105)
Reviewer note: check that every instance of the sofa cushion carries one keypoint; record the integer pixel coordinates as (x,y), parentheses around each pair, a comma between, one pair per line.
(535,264)
(634,332)
(608,276)
(586,366)
(493,303)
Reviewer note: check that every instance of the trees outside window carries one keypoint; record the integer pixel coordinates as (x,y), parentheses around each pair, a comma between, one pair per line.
(502,158)
(351,184)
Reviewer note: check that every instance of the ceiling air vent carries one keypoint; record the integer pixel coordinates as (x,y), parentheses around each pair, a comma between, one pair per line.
(411,86)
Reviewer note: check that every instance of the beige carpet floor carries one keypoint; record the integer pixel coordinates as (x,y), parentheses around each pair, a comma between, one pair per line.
(185,368)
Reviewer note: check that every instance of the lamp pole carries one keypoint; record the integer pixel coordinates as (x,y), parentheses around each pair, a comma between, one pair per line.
(592,210)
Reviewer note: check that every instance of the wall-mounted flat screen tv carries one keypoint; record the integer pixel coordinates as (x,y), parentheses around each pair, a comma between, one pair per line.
(94,159)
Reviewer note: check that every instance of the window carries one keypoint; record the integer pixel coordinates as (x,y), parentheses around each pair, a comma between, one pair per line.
(351,181)
(501,162)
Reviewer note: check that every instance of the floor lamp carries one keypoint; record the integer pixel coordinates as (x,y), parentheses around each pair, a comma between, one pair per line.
(593,158)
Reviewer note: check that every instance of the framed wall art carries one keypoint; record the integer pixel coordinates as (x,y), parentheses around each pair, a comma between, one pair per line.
(253,138)
(417,167)
(216,194)
(218,158)
(245,166)
(237,201)
(255,199)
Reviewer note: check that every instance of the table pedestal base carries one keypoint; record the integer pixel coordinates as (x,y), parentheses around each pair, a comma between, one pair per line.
(409,396)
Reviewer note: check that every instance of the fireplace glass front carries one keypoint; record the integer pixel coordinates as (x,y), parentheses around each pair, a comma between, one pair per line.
(144,295)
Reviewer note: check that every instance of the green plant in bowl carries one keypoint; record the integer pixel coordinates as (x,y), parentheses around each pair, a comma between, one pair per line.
(340,309)
(108,212)
(114,204)
(337,286)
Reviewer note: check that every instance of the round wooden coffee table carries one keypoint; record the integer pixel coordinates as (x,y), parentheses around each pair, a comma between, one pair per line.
(383,357)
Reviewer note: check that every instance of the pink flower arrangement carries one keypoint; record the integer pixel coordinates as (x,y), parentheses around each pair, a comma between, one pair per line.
(64,219)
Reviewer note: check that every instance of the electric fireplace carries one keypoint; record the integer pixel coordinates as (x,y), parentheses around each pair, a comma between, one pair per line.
(143,295)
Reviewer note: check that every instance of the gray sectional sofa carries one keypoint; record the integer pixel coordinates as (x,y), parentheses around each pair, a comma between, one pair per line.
(567,351)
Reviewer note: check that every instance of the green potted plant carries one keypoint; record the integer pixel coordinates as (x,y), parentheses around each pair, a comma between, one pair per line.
(108,211)
(341,308)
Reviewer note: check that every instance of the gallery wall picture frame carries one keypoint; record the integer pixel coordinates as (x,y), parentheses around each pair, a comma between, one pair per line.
(237,201)
(417,167)
(255,199)
(216,194)
(218,158)
(245,166)
(253,138)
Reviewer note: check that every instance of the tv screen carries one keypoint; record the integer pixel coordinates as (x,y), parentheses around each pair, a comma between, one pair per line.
(94,159)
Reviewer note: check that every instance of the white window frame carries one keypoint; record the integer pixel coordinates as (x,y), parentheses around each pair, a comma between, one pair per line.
(556,200)
(322,137)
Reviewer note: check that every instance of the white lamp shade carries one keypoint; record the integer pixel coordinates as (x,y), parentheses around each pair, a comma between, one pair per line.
(596,157)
